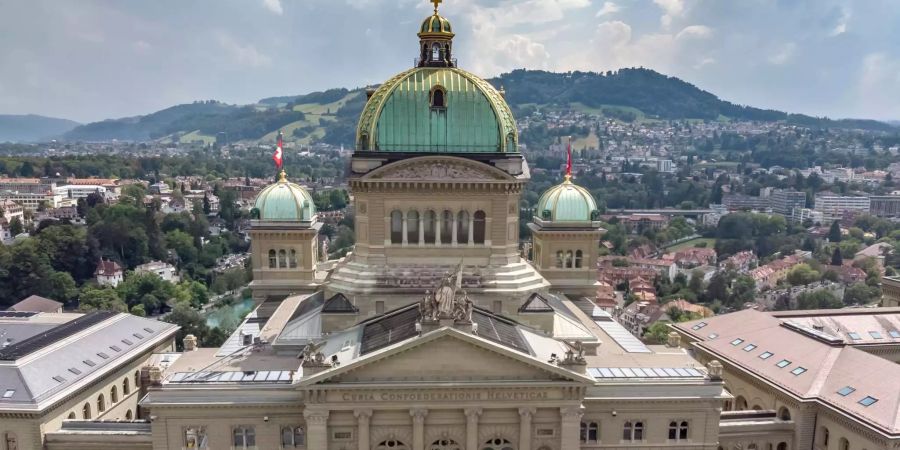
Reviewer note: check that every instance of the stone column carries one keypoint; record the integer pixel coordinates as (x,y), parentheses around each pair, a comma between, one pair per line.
(405,219)
(525,415)
(454,230)
(472,415)
(363,417)
(439,226)
(422,228)
(316,428)
(570,429)
(471,230)
(418,418)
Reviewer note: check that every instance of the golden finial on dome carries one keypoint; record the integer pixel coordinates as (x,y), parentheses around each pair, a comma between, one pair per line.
(282,177)
(436,3)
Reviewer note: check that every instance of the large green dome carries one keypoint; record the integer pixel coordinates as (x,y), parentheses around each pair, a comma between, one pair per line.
(403,116)
(285,201)
(566,202)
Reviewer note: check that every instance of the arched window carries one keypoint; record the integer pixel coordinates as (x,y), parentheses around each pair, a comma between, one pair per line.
(498,444)
(243,437)
(782,446)
(293,437)
(438,98)
(86,411)
(195,437)
(363,141)
(129,415)
(843,444)
(292,258)
(446,227)
(396,227)
(678,431)
(740,403)
(590,432)
(784,413)
(445,444)
(72,415)
(560,259)
(462,227)
(273,260)
(569,259)
(282,259)
(412,227)
(113,395)
(480,227)
(101,404)
(430,226)
(12,442)
(578,257)
(824,436)
(757,408)
(391,444)
(752,447)
(125,389)
(633,431)
(137,379)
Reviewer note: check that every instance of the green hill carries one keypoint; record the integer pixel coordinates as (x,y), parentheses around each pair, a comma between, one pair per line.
(30,128)
(330,116)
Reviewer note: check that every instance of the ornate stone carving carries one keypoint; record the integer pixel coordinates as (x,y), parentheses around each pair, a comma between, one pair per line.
(418,415)
(315,416)
(362,414)
(473,413)
(448,301)
(436,170)
(527,412)
(574,355)
(311,356)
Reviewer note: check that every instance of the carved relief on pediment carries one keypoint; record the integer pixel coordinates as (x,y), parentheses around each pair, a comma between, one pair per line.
(437,170)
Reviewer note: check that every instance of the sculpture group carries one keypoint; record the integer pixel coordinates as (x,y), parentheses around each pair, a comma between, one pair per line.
(448,301)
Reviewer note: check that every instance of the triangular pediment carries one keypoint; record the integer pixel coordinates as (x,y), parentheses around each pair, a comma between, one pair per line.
(446,355)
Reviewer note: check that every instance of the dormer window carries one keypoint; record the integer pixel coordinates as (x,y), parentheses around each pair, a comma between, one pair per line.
(438,98)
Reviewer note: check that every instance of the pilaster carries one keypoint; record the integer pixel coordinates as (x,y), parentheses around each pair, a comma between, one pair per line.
(316,428)
(363,418)
(570,427)
(525,416)
(472,415)
(418,418)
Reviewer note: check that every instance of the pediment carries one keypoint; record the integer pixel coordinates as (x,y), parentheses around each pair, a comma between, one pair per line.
(429,168)
(443,356)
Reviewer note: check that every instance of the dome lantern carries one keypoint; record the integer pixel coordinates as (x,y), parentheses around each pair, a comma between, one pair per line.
(436,41)
(284,201)
(567,202)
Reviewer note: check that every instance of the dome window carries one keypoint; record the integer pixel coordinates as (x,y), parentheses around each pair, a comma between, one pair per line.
(438,98)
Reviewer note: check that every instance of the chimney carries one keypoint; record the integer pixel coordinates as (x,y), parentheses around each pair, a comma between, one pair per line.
(674,340)
(190,343)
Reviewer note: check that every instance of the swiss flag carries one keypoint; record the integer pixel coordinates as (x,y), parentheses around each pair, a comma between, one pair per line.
(279,152)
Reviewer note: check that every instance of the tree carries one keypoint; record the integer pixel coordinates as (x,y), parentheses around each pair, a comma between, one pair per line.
(834,233)
(139,310)
(836,258)
(100,299)
(147,289)
(206,206)
(802,274)
(183,245)
(861,294)
(15,226)
(658,333)
(61,287)
(696,282)
(820,299)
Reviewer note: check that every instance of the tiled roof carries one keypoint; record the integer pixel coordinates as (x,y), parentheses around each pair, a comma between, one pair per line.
(38,304)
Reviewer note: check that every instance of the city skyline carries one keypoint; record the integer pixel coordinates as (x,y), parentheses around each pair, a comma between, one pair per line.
(832,58)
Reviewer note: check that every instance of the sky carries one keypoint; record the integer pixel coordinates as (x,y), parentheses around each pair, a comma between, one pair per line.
(89,60)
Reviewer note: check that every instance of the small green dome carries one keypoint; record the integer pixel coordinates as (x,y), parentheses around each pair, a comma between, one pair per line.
(567,202)
(403,115)
(435,24)
(285,201)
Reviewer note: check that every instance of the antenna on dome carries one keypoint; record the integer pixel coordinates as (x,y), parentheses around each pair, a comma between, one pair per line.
(436,3)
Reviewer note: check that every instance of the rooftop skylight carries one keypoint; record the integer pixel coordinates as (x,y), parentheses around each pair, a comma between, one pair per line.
(798,370)
(868,401)
(765,355)
(737,342)
(9,393)
(783,363)
(713,335)
(749,347)
(875,335)
(894,334)
(854,336)
(699,326)
(846,390)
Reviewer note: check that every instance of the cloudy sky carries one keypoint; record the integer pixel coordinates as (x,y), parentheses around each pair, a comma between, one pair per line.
(93,59)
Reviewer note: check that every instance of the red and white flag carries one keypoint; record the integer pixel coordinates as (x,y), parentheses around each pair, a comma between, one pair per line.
(279,151)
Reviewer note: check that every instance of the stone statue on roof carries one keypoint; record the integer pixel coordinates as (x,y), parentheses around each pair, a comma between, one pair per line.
(448,302)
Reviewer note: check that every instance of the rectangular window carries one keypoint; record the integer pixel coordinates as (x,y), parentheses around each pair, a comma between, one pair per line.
(765,355)
(195,438)
(544,432)
(854,336)
(846,390)
(9,393)
(894,334)
(379,307)
(783,363)
(875,335)
(342,435)
(698,326)
(737,342)
(498,307)
(749,348)
(798,370)
(868,401)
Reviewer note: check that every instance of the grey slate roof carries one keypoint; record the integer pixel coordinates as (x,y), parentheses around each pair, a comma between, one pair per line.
(339,303)
(536,303)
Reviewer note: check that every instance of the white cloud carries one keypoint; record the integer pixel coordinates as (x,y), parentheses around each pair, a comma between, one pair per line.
(783,54)
(274,6)
(672,8)
(841,26)
(694,31)
(243,54)
(608,8)
(878,86)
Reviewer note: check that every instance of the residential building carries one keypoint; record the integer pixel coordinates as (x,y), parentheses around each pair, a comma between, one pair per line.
(33,201)
(37,304)
(786,201)
(109,273)
(742,262)
(887,206)
(833,207)
(162,269)
(744,202)
(768,275)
